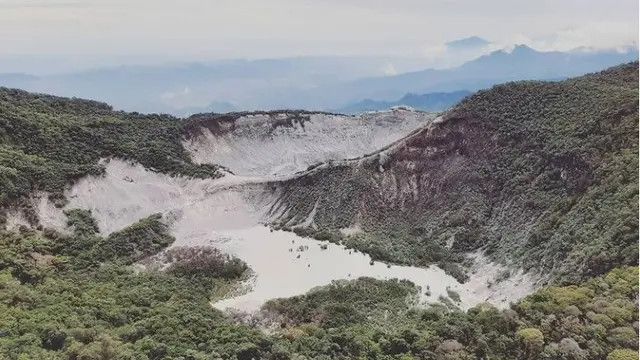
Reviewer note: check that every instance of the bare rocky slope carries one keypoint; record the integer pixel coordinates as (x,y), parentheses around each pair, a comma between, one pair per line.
(542,175)
(280,143)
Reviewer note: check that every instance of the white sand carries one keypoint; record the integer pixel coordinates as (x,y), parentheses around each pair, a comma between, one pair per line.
(252,148)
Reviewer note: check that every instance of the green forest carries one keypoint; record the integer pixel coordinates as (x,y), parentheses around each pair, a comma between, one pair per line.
(79,295)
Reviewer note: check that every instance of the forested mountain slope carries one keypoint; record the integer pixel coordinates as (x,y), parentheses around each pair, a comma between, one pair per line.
(48,141)
(540,174)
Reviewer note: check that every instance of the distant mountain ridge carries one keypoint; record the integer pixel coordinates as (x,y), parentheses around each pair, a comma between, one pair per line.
(521,63)
(432,102)
(219,86)
(323,83)
(467,43)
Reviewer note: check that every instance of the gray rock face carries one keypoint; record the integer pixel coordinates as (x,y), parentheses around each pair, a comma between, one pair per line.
(280,144)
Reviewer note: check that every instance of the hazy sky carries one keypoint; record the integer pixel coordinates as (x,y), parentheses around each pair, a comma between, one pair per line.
(199,29)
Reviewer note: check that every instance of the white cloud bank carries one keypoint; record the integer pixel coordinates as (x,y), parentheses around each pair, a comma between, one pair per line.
(202,29)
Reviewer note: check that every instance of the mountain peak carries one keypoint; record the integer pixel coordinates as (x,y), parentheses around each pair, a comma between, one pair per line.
(471,42)
(522,49)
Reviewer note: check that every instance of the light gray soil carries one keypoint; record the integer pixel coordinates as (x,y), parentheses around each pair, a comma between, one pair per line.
(255,148)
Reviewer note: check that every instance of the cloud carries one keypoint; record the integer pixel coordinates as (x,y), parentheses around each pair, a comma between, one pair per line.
(389,70)
(595,35)
(445,55)
(434,51)
(172,95)
(30,4)
(201,29)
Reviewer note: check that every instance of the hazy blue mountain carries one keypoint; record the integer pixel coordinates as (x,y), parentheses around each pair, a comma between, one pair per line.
(472,42)
(178,88)
(438,101)
(499,66)
(313,83)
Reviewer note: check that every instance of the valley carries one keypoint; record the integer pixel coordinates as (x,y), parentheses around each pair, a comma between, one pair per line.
(503,228)
(230,213)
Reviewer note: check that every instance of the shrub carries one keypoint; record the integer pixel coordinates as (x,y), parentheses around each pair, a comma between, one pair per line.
(82,222)
(623,354)
(453,295)
(532,341)
(204,261)
(144,238)
(624,337)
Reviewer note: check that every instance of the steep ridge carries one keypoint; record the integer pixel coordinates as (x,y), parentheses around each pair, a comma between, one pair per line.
(280,143)
(542,175)
(47,142)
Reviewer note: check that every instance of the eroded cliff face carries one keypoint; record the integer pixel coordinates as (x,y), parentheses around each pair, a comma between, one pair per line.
(440,166)
(516,172)
(277,144)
